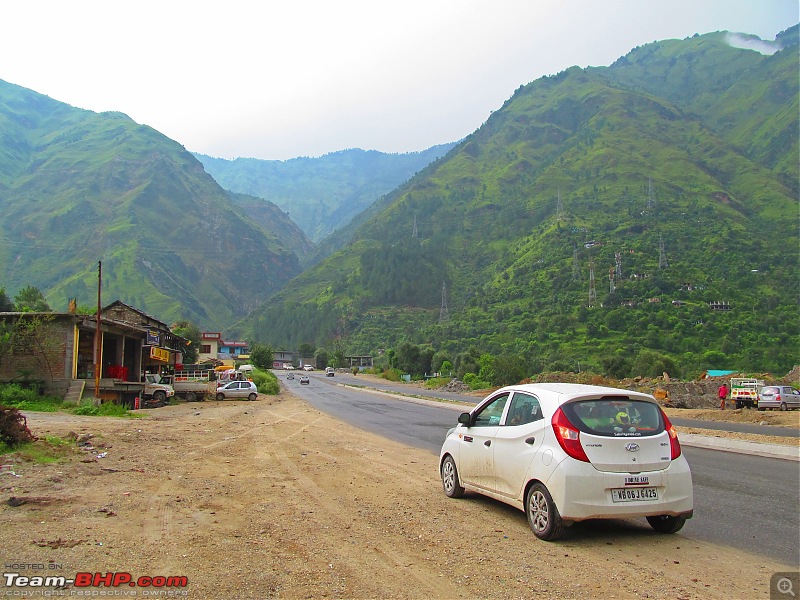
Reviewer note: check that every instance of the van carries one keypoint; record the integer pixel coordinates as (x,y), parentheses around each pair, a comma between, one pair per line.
(329,372)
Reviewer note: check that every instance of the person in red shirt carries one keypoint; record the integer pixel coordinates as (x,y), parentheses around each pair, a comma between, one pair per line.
(722,393)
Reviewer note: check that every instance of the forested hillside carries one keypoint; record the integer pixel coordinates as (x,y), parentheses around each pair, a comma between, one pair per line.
(643,213)
(78,187)
(325,193)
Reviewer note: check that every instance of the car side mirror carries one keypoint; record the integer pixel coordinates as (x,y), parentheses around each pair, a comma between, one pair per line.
(465,419)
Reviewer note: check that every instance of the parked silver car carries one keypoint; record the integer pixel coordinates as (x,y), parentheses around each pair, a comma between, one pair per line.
(778,396)
(238,389)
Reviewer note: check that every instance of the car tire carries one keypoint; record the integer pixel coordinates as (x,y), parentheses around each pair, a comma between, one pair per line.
(160,397)
(220,397)
(450,484)
(191,397)
(252,397)
(666,523)
(761,408)
(784,407)
(543,514)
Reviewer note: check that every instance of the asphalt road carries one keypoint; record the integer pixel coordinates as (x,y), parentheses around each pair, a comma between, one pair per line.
(747,502)
(402,389)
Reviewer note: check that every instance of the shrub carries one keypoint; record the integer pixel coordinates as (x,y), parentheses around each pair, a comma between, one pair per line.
(266,382)
(14,427)
(474,382)
(392,374)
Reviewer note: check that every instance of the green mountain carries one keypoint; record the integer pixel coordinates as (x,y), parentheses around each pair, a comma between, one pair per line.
(643,211)
(321,194)
(78,188)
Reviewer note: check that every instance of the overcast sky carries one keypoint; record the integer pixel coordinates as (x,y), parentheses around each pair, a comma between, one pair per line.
(280,79)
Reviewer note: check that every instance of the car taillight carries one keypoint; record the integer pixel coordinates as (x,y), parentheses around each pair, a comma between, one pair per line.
(568,436)
(674,444)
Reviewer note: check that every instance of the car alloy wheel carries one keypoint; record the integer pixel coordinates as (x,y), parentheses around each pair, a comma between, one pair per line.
(452,488)
(542,514)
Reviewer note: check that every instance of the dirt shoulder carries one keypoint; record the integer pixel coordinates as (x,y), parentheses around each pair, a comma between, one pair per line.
(276,499)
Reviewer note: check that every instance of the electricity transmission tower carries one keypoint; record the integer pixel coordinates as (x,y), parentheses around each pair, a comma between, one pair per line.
(650,199)
(559,206)
(414,232)
(592,289)
(618,266)
(662,255)
(444,314)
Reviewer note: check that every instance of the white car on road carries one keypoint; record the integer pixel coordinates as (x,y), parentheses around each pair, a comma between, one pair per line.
(567,452)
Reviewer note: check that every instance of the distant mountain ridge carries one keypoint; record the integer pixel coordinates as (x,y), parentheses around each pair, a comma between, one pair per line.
(598,215)
(321,194)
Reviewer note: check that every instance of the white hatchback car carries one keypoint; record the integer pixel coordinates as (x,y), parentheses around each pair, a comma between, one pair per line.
(238,389)
(565,452)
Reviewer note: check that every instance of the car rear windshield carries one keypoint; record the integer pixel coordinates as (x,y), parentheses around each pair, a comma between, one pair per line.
(617,417)
(769,391)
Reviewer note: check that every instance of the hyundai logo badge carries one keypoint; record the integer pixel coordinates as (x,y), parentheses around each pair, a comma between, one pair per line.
(632,447)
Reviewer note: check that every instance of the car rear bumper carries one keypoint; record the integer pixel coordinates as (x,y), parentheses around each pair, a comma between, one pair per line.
(581,492)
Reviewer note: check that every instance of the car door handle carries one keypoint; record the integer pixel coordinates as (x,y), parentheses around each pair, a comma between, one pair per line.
(487,443)
(530,441)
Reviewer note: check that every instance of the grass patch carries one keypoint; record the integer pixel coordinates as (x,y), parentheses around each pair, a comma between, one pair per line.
(24,399)
(106,409)
(51,449)
(437,382)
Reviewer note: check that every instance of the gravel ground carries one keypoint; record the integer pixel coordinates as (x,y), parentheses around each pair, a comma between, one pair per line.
(274,499)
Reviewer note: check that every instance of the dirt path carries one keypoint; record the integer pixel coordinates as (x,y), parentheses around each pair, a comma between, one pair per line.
(275,499)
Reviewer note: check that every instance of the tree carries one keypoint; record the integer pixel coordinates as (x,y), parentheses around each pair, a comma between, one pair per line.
(321,358)
(30,299)
(306,350)
(508,369)
(438,360)
(653,364)
(408,358)
(616,366)
(6,305)
(30,336)
(261,356)
(191,332)
(467,362)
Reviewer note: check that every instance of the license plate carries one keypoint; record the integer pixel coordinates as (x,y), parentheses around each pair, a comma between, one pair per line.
(634,494)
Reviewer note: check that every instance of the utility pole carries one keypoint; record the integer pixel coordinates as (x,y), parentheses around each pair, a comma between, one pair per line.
(97,333)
